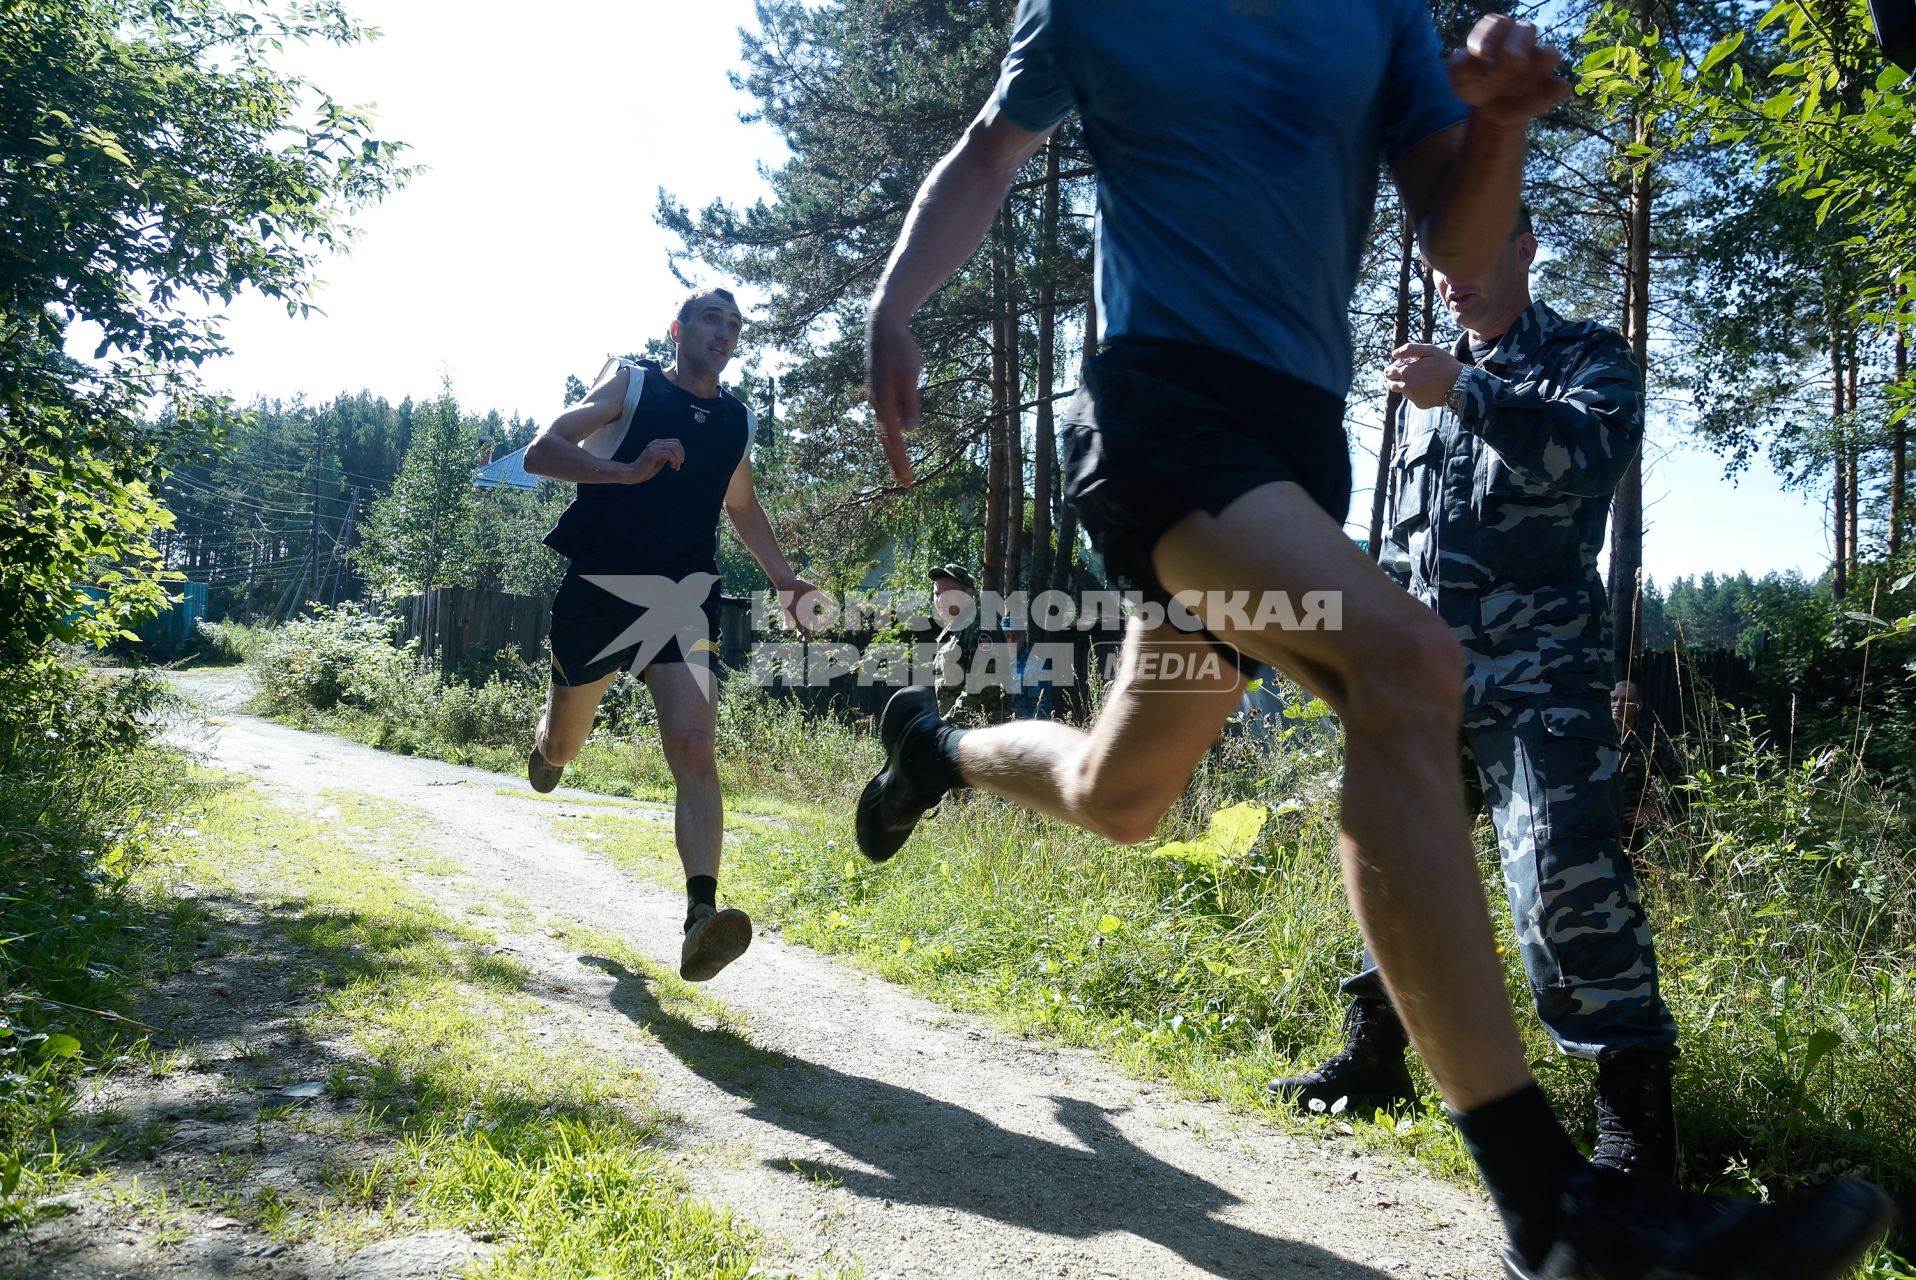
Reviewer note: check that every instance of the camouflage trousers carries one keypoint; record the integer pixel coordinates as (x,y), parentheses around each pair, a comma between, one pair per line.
(1546,768)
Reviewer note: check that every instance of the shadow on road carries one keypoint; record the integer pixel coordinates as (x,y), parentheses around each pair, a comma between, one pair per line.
(939,1154)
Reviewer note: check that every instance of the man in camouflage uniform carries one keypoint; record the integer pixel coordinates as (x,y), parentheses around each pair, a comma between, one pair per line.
(1502,487)
(955,605)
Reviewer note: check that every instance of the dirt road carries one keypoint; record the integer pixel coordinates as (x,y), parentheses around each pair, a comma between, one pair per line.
(877,1131)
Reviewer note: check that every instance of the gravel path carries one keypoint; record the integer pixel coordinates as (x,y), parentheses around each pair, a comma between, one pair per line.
(863,1126)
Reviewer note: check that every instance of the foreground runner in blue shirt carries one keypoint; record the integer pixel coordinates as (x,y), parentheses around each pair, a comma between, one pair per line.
(1237,144)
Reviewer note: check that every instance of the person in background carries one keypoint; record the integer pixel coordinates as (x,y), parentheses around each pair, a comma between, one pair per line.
(1031,691)
(954,603)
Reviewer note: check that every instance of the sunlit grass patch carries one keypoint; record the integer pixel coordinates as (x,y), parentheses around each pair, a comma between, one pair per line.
(551,1148)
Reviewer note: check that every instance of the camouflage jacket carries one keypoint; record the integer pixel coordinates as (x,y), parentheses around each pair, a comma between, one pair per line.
(952,664)
(1498,510)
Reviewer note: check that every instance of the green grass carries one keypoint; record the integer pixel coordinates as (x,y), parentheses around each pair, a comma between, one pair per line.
(554,1149)
(85,798)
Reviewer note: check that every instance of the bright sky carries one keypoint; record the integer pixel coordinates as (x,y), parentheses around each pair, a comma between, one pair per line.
(529,252)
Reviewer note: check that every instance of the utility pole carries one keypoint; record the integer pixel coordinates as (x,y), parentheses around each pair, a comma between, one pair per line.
(1394,402)
(310,578)
(343,547)
(291,604)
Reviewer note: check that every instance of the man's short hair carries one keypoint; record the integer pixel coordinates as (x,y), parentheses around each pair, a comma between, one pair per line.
(1523,227)
(685,308)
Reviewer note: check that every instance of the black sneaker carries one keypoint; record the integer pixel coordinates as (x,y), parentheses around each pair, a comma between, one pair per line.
(543,775)
(894,801)
(1618,1228)
(1636,1125)
(713,940)
(1367,1075)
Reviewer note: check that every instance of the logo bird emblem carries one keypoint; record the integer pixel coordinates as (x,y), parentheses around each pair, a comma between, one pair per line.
(674,608)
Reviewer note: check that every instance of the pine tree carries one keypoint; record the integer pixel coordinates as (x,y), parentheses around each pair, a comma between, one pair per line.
(866,94)
(418,536)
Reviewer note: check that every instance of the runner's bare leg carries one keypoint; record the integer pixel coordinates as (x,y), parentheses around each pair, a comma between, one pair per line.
(688,722)
(567,721)
(1393,674)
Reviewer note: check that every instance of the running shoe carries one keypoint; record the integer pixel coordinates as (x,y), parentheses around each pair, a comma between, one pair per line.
(713,940)
(543,775)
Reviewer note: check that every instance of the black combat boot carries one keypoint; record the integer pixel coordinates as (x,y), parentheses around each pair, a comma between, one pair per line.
(1368,1072)
(1636,1127)
(906,789)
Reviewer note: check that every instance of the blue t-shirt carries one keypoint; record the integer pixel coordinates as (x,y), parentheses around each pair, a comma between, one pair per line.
(1237,146)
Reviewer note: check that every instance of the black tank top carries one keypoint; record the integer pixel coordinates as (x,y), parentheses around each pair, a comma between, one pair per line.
(669,524)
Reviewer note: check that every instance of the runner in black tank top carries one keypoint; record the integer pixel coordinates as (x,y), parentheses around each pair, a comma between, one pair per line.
(657,453)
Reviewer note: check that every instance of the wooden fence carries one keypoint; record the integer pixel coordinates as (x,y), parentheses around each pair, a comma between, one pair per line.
(1684,688)
(462,625)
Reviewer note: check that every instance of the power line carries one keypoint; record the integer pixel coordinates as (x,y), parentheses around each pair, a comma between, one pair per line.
(212,490)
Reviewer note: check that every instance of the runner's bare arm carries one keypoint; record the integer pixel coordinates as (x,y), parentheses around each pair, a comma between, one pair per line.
(754,529)
(556,454)
(949,218)
(1462,185)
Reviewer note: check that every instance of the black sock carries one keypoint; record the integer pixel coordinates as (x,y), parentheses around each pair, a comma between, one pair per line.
(932,756)
(1525,1158)
(700,891)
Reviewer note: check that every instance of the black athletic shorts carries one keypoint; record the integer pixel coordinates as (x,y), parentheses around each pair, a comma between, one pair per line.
(586,618)
(1161,429)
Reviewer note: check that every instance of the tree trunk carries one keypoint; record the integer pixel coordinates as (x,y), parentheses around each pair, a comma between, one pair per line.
(993,578)
(1068,515)
(1841,490)
(1045,444)
(1393,403)
(1014,428)
(1626,510)
(1855,450)
(1428,330)
(1898,442)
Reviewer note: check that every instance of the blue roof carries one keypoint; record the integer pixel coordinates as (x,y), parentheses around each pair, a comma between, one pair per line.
(510,469)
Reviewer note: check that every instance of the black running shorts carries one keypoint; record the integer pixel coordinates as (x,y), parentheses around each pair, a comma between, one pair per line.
(586,618)
(1162,429)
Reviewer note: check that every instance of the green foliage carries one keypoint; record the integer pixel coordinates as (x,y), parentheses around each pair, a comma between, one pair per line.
(85,798)
(864,95)
(243,521)
(150,162)
(344,661)
(1782,895)
(505,537)
(417,535)
(434,528)
(337,655)
(225,642)
(1826,118)
(1779,618)
(471,1120)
